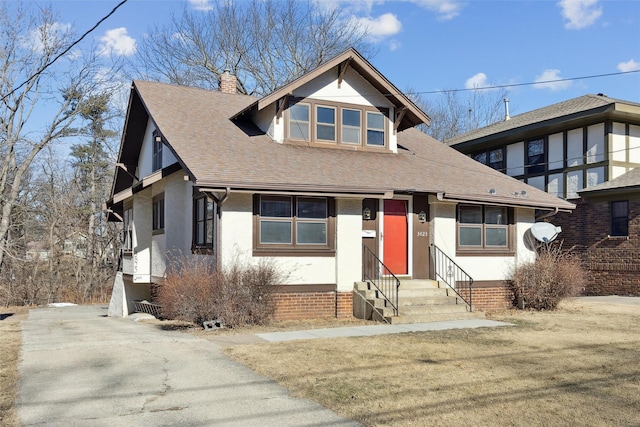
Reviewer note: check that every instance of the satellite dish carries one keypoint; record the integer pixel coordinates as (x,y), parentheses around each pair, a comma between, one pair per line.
(545,232)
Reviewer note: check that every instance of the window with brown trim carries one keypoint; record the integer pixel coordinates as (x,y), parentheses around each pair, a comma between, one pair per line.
(157,153)
(203,223)
(293,225)
(158,214)
(484,228)
(127,245)
(341,124)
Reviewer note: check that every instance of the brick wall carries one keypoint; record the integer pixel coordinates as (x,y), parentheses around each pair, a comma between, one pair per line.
(312,305)
(612,263)
(490,295)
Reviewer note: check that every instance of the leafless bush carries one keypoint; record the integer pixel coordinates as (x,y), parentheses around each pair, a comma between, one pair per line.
(553,276)
(240,294)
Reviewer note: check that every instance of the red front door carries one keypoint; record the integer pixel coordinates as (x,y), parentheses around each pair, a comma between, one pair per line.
(395,237)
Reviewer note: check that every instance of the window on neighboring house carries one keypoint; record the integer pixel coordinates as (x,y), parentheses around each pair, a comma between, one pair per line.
(351,127)
(299,122)
(326,124)
(483,227)
(620,218)
(535,156)
(128,230)
(158,213)
(157,153)
(493,158)
(375,129)
(293,223)
(203,222)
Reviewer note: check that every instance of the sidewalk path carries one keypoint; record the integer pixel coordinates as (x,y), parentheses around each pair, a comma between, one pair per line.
(81,368)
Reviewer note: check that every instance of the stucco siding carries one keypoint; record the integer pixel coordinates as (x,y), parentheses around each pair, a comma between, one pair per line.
(348,243)
(489,268)
(142,216)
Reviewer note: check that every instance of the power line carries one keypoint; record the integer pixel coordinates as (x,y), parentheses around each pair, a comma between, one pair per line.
(592,76)
(65,51)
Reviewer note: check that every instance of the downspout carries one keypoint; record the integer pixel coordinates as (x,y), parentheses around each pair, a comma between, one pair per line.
(549,214)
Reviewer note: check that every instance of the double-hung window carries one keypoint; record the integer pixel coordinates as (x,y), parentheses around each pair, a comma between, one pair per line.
(351,128)
(158,213)
(203,223)
(375,129)
(536,158)
(325,124)
(620,218)
(299,121)
(293,223)
(483,227)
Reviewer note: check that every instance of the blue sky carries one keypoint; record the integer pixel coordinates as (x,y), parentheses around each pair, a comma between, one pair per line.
(432,45)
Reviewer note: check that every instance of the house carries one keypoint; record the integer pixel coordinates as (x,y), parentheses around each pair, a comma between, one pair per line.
(584,150)
(309,176)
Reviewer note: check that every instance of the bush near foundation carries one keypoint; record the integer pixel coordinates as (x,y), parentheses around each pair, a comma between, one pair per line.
(240,294)
(552,277)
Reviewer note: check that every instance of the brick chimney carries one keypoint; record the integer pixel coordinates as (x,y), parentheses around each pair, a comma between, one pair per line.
(228,82)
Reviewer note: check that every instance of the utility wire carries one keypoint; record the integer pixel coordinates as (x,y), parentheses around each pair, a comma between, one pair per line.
(64,52)
(593,76)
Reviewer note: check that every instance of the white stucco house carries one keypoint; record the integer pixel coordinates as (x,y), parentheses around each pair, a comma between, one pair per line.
(309,176)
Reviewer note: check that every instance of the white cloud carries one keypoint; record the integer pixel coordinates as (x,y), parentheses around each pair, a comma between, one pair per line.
(117,42)
(630,65)
(394,45)
(203,5)
(546,80)
(382,26)
(476,81)
(44,36)
(580,13)
(446,9)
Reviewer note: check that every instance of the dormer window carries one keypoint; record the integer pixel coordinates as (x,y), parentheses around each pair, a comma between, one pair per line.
(345,125)
(299,122)
(351,128)
(325,123)
(375,129)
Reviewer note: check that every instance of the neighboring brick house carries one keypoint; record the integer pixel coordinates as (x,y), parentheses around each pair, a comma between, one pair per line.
(605,230)
(312,176)
(582,150)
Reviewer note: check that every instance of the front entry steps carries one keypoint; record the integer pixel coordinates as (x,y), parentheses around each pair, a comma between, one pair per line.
(418,301)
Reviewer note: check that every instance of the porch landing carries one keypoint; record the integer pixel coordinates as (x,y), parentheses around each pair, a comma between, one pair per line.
(418,301)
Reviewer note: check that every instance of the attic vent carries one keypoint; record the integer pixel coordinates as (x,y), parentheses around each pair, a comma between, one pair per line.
(228,82)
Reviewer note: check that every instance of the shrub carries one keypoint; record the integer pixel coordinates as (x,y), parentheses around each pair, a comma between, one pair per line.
(553,276)
(240,294)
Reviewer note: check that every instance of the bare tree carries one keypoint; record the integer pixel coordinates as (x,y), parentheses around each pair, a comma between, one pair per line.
(265,43)
(454,112)
(39,103)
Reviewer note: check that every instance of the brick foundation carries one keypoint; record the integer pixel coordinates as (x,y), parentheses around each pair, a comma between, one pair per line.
(612,263)
(312,305)
(490,295)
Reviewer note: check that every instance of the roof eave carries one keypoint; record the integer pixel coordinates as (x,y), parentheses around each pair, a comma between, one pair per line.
(413,117)
(507,201)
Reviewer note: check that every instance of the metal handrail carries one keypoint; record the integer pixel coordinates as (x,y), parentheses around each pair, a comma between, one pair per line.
(452,275)
(378,274)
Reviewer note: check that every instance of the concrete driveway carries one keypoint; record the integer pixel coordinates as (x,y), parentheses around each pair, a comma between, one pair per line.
(79,367)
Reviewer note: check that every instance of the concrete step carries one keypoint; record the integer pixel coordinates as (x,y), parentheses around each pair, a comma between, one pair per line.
(434,300)
(432,309)
(433,317)
(418,301)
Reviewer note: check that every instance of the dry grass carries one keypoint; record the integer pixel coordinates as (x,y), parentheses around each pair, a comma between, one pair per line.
(10,342)
(574,366)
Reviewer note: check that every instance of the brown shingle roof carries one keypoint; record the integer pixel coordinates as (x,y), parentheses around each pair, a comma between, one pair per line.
(582,104)
(629,181)
(218,152)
